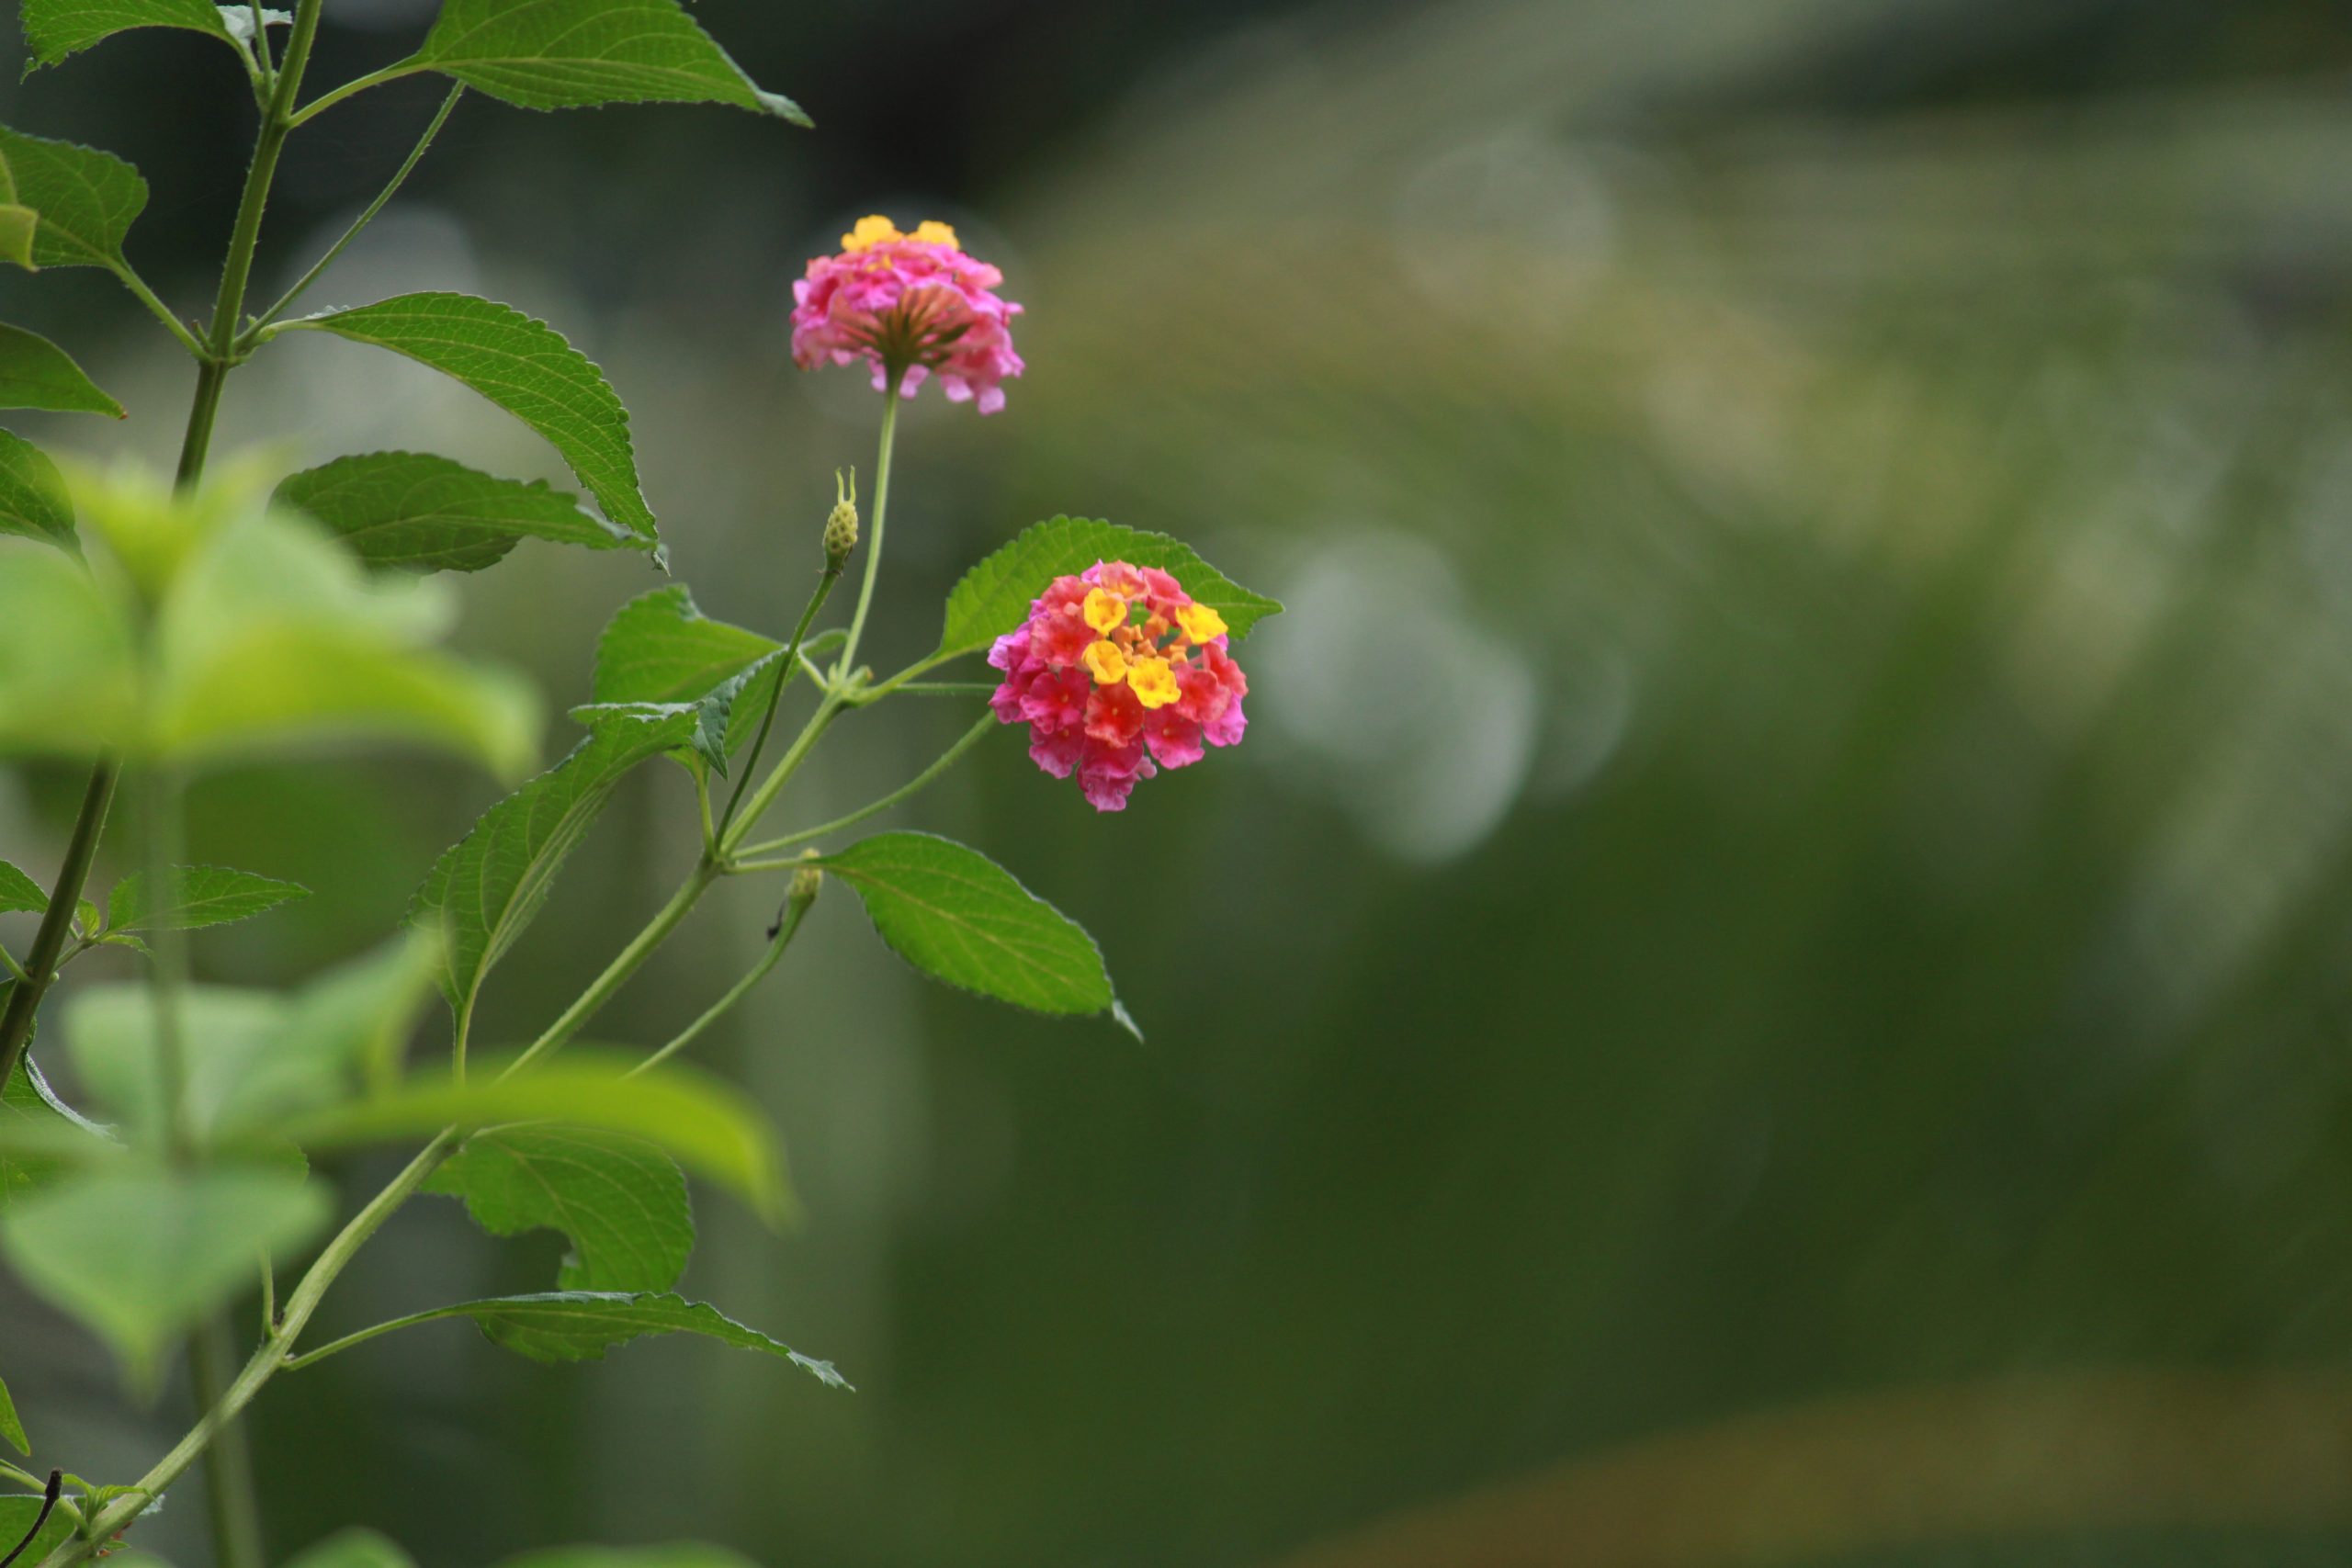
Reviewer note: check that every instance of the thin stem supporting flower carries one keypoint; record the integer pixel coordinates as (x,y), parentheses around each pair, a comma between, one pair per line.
(970,739)
(890,401)
(785,668)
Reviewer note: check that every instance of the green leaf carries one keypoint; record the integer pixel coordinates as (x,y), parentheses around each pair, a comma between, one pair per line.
(620,1201)
(36,374)
(251,1057)
(525,367)
(204,895)
(707,1125)
(141,1256)
(40,1136)
(66,664)
(55,29)
(661,649)
(956,915)
(239,20)
(486,888)
(33,499)
(552,54)
(18,226)
(86,198)
(427,513)
(353,1548)
(17,1515)
(994,597)
(12,1428)
(21,894)
(581,1325)
(273,635)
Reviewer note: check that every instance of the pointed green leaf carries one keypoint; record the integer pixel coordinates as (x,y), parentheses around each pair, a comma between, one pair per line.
(426,513)
(55,29)
(956,915)
(486,888)
(993,597)
(705,1124)
(581,1325)
(33,498)
(86,198)
(21,894)
(525,367)
(620,1201)
(36,374)
(203,896)
(550,54)
(141,1256)
(12,1428)
(353,1548)
(274,636)
(17,1515)
(659,648)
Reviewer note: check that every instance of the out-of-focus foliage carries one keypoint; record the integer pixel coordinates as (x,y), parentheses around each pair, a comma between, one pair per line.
(1779,991)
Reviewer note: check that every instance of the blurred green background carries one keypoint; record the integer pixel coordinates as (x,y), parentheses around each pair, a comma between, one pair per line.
(1771,984)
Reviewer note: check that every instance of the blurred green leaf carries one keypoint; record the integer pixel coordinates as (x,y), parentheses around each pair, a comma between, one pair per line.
(12,1428)
(549,54)
(141,1255)
(17,1515)
(36,374)
(707,1125)
(581,1325)
(353,1548)
(40,1135)
(86,198)
(525,367)
(274,635)
(251,1057)
(620,1201)
(993,597)
(66,668)
(686,1554)
(33,498)
(203,896)
(18,226)
(956,915)
(416,510)
(55,29)
(19,894)
(486,888)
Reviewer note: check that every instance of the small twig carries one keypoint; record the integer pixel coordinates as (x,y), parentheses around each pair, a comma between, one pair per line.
(48,1505)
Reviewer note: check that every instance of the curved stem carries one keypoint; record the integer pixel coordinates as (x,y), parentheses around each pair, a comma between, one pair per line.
(357,85)
(632,957)
(890,401)
(781,938)
(970,739)
(251,334)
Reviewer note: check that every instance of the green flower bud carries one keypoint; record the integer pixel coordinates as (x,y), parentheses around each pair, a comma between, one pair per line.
(840,525)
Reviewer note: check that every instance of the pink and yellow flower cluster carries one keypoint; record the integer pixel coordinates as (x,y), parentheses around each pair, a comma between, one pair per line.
(1116,670)
(914,306)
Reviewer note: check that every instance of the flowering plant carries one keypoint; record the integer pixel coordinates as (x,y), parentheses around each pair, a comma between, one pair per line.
(156,630)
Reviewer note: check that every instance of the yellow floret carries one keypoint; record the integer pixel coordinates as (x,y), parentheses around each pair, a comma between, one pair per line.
(1200,622)
(1104,611)
(1154,682)
(872,230)
(932,232)
(1109,665)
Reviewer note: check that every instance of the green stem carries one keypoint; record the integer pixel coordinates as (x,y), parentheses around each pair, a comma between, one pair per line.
(251,334)
(890,401)
(787,765)
(56,924)
(357,85)
(263,1364)
(971,737)
(786,929)
(162,312)
(786,669)
(228,1463)
(616,974)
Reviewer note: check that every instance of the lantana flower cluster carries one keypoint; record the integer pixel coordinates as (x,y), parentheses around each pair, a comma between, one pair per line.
(1117,669)
(913,305)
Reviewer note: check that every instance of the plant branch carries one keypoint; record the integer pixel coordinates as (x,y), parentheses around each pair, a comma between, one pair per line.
(48,941)
(890,401)
(357,85)
(784,669)
(162,312)
(970,739)
(616,974)
(795,910)
(251,334)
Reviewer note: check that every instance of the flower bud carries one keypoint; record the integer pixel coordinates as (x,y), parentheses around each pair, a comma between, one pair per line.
(840,525)
(806,884)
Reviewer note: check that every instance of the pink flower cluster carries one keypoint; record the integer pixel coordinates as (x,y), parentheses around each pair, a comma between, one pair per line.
(1117,669)
(914,305)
